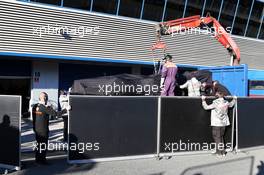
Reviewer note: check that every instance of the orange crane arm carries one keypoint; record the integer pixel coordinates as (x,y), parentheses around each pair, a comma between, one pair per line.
(170,27)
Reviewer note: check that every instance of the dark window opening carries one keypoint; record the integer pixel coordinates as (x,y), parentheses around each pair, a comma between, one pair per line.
(194,7)
(130,8)
(212,7)
(261,34)
(105,6)
(255,19)
(79,4)
(153,10)
(228,12)
(256,85)
(174,9)
(53,2)
(242,17)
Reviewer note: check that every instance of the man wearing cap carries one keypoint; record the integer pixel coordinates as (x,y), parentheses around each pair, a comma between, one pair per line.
(168,77)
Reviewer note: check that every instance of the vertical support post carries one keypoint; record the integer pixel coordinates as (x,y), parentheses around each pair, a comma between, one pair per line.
(260,24)
(231,60)
(185,6)
(158,126)
(233,127)
(236,147)
(164,10)
(235,16)
(142,9)
(203,8)
(249,17)
(91,7)
(62,3)
(117,10)
(68,130)
(220,11)
(20,131)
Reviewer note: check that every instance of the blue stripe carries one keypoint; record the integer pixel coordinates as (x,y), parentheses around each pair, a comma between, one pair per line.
(44,56)
(75,58)
(256,74)
(242,66)
(256,92)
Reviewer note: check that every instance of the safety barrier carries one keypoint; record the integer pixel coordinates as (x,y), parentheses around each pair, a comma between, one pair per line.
(112,127)
(119,128)
(185,126)
(10,113)
(250,123)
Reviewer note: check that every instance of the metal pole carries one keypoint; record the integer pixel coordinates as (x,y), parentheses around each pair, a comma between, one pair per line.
(185,6)
(61,3)
(249,17)
(220,11)
(203,8)
(233,128)
(118,5)
(235,16)
(142,9)
(68,129)
(236,148)
(20,131)
(158,127)
(91,8)
(164,10)
(260,24)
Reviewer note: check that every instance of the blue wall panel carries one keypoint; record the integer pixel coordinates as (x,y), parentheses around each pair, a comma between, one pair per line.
(256,74)
(235,78)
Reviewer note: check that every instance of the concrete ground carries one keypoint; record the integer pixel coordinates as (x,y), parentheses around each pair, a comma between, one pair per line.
(242,163)
(249,163)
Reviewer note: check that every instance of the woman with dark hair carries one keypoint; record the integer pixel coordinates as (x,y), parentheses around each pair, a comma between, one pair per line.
(219,119)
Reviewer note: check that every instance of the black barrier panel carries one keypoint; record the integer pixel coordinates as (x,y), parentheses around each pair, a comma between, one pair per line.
(10,130)
(112,126)
(250,122)
(185,126)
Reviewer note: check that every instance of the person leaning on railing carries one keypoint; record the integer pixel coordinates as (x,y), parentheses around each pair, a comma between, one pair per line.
(219,119)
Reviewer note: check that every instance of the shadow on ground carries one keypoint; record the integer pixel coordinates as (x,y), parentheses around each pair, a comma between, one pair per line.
(56,166)
(160,173)
(242,166)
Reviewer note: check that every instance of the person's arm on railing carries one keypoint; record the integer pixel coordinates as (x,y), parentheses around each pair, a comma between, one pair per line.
(233,102)
(205,105)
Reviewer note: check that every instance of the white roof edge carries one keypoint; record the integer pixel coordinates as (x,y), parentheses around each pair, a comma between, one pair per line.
(54,7)
(247,38)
